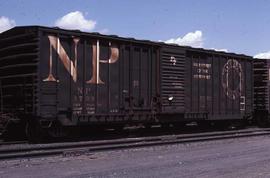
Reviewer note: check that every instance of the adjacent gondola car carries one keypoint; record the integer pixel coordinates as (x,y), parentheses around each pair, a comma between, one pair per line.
(53,78)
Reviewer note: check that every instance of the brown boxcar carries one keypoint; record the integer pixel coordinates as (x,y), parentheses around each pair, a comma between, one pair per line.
(52,77)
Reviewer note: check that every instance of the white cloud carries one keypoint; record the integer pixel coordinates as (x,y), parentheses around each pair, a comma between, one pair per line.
(6,23)
(75,20)
(265,55)
(193,39)
(104,31)
(222,50)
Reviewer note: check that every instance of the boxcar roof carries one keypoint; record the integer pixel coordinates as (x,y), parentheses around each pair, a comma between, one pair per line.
(115,37)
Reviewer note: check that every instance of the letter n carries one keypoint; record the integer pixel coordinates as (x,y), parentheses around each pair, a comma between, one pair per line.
(67,62)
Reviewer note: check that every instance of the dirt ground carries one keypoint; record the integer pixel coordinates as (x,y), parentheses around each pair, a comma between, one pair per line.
(244,157)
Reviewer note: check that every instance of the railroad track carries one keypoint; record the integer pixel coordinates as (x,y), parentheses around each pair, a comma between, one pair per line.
(71,148)
(3,143)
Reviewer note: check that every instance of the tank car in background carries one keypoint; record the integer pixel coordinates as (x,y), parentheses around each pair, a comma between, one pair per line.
(54,80)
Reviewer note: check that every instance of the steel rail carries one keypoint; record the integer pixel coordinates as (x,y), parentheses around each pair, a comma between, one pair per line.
(23,151)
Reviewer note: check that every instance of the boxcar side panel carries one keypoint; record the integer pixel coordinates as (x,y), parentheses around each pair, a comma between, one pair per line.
(86,80)
(218,85)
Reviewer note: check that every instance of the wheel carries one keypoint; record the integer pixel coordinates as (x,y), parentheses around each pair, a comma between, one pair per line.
(14,132)
(263,121)
(204,124)
(166,125)
(33,132)
(238,124)
(57,130)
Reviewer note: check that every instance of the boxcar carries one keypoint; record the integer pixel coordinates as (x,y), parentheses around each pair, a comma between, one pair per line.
(53,78)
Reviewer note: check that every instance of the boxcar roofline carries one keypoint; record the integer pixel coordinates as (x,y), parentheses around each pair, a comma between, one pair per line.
(126,39)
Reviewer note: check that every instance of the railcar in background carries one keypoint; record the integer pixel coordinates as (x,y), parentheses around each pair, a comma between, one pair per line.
(261,91)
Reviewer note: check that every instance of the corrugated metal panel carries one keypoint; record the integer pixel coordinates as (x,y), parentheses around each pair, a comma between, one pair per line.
(261,87)
(18,71)
(172,80)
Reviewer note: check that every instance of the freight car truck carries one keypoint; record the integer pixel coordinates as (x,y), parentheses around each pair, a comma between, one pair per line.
(53,80)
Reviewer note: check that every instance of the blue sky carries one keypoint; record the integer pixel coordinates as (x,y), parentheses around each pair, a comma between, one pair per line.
(241,26)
